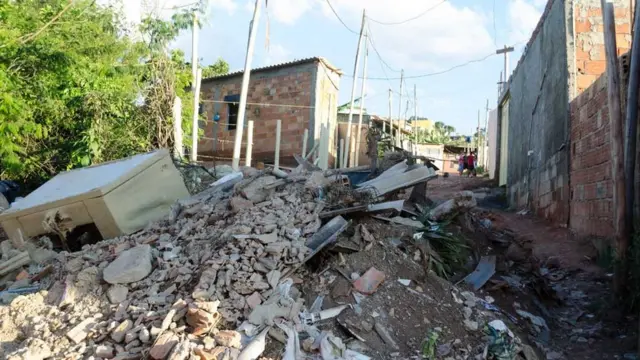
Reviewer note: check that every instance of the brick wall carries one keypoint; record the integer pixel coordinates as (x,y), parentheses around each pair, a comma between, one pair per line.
(589,39)
(591,186)
(280,88)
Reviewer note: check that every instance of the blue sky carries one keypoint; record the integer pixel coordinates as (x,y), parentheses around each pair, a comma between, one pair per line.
(454,32)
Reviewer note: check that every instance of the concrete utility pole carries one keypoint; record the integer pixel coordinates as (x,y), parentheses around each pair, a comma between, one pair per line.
(390,118)
(415,120)
(362,97)
(485,144)
(194,49)
(500,86)
(505,50)
(253,29)
(617,141)
(353,92)
(400,108)
(196,115)
(177,128)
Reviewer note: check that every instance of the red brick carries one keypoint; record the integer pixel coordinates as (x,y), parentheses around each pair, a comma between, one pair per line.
(585,81)
(582,26)
(595,67)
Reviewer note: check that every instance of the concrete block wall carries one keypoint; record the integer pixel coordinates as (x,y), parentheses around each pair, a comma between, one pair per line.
(538,121)
(270,95)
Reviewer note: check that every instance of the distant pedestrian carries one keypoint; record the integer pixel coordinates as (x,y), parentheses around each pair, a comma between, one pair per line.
(462,161)
(471,164)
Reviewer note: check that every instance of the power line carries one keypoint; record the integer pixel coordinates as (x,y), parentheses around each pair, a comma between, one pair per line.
(410,19)
(495,32)
(339,18)
(430,74)
(377,52)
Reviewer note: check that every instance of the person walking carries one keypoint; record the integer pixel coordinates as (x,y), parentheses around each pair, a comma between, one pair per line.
(462,162)
(471,162)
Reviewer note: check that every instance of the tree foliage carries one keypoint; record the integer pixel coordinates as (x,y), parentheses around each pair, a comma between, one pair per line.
(76,89)
(439,134)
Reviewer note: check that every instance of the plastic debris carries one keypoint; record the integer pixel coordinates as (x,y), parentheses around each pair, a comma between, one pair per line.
(404,282)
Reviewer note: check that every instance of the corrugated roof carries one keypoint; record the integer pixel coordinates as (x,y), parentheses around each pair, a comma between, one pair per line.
(278,66)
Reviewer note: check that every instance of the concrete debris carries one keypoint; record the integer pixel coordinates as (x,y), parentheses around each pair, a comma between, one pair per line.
(461,201)
(132,265)
(228,338)
(117,294)
(163,346)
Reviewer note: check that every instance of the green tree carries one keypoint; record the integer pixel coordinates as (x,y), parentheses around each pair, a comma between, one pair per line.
(75,89)
(439,134)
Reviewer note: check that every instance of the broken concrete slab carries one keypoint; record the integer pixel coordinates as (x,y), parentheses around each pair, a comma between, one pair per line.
(461,201)
(163,346)
(80,331)
(228,338)
(131,266)
(117,294)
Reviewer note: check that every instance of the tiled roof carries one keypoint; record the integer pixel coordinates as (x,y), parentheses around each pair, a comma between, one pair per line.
(279,66)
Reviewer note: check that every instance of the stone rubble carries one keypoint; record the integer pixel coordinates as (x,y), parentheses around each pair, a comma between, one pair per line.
(166,290)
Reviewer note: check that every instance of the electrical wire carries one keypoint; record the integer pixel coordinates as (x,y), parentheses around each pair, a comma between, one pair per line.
(495,32)
(429,74)
(410,19)
(376,50)
(339,18)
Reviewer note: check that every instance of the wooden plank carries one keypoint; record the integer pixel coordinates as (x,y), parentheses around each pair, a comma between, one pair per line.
(617,142)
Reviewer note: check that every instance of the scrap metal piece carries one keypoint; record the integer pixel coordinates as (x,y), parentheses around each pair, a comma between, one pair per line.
(483,272)
(326,235)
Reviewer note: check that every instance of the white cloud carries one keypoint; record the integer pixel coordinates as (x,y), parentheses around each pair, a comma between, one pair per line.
(288,11)
(523,18)
(277,54)
(430,42)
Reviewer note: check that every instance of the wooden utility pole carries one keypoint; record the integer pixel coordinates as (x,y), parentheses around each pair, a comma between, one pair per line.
(632,124)
(253,29)
(390,118)
(505,50)
(248,155)
(196,115)
(617,141)
(362,97)
(347,139)
(194,49)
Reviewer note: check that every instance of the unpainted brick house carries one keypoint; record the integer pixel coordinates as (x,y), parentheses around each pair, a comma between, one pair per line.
(553,129)
(303,94)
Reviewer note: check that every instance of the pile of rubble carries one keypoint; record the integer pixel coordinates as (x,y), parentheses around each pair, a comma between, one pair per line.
(164,291)
(219,274)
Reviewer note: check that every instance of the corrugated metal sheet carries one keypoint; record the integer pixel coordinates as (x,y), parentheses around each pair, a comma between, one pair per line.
(277,67)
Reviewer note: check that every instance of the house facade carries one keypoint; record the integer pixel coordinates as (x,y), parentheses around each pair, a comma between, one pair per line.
(552,133)
(303,94)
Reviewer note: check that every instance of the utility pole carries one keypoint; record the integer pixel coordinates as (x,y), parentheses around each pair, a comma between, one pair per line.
(505,50)
(353,92)
(362,97)
(253,29)
(486,133)
(617,149)
(415,120)
(196,114)
(390,118)
(500,86)
(478,137)
(400,108)
(194,50)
